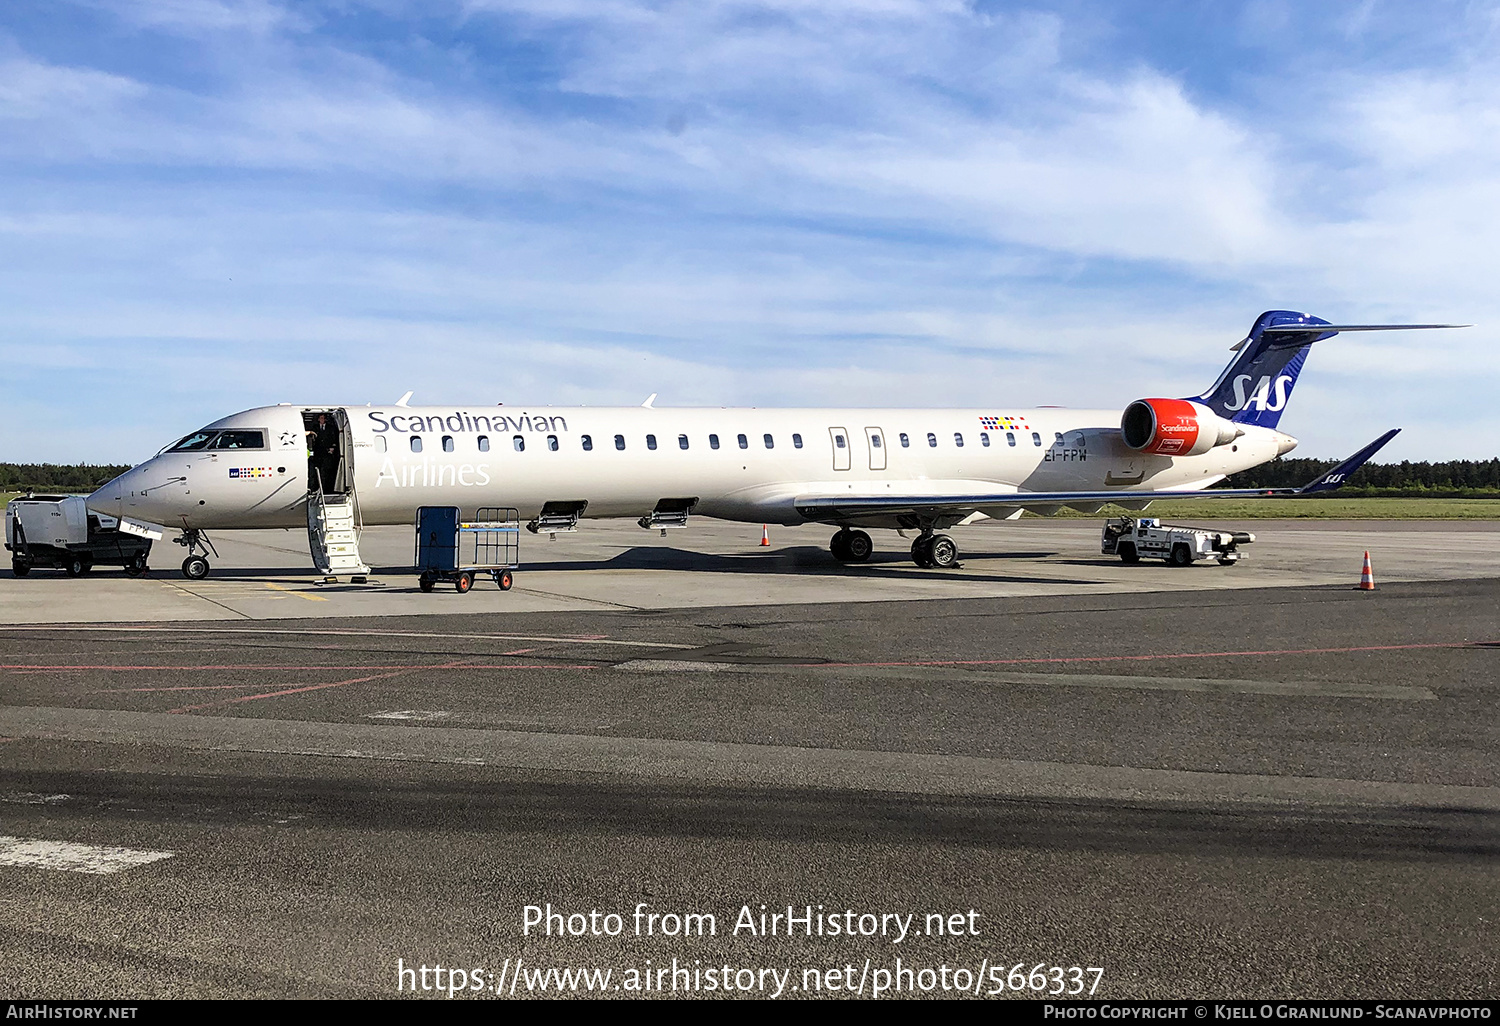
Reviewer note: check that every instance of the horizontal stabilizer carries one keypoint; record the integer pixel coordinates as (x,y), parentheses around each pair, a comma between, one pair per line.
(1339,474)
(1320,328)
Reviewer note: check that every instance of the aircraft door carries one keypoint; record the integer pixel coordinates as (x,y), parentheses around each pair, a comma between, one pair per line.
(330,450)
(875,439)
(840,439)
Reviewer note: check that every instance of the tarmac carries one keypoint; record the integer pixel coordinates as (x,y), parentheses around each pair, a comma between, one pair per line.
(1208,782)
(617,565)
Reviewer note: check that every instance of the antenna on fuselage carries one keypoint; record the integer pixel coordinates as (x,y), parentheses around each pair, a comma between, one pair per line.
(403,400)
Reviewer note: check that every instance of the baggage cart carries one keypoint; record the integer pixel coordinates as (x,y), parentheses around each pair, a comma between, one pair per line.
(454,550)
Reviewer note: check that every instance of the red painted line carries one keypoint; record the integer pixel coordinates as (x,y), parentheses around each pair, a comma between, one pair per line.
(204,687)
(1174,655)
(285,692)
(38,667)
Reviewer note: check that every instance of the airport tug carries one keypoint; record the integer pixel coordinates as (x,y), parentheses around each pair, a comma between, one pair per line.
(1130,539)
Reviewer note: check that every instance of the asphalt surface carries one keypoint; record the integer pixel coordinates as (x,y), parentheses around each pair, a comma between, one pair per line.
(1287,792)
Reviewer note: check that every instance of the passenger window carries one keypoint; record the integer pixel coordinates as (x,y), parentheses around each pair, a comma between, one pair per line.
(1036,439)
(484,443)
(447,443)
(380,443)
(984,439)
(651,442)
(713,441)
(744,442)
(1058,436)
(519,441)
(551,443)
(932,439)
(682,442)
(796,440)
(905,441)
(958,439)
(241,440)
(588,443)
(620,442)
(770,444)
(1010,437)
(416,443)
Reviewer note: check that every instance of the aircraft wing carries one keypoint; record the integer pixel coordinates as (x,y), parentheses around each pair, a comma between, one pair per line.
(843,507)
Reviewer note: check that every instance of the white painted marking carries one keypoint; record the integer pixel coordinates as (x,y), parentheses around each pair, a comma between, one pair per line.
(32,798)
(98,859)
(421,715)
(95,628)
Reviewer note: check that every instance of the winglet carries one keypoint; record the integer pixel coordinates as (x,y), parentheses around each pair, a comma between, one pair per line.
(1336,477)
(403,400)
(649,400)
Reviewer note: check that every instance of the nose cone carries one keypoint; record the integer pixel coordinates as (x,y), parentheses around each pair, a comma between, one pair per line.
(109,497)
(1284,443)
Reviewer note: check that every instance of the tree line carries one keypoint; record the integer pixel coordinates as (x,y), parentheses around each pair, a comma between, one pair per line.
(1451,479)
(56,477)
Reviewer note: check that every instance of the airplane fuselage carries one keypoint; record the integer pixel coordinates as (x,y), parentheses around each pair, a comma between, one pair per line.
(742,464)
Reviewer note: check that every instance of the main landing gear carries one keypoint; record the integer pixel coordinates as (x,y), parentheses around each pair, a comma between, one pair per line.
(934,551)
(930,551)
(195,567)
(851,546)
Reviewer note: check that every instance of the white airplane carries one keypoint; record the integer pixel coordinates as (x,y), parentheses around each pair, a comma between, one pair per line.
(916,470)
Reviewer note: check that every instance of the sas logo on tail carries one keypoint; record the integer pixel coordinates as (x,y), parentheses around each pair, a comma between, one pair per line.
(1265,395)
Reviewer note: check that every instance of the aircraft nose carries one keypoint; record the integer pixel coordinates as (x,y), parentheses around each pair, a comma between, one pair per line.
(108,498)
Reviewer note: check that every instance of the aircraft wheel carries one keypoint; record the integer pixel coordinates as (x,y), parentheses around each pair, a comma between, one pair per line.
(1128,553)
(75,567)
(464,582)
(425,584)
(921,553)
(838,545)
(20,567)
(138,564)
(943,551)
(195,568)
(858,547)
(505,580)
(1181,556)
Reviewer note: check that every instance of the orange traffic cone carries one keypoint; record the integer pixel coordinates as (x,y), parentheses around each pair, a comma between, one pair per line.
(1366,575)
(765,535)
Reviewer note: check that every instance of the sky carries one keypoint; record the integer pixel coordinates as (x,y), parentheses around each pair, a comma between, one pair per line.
(210,205)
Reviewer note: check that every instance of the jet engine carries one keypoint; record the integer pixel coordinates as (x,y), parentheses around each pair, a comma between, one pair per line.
(1174,427)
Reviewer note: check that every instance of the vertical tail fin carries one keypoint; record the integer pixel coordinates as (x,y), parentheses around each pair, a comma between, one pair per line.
(1255,387)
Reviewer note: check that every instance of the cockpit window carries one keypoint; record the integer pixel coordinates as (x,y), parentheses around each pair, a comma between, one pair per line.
(241,440)
(194,441)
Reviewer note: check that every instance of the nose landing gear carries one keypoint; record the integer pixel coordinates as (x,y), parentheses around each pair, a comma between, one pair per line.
(195,566)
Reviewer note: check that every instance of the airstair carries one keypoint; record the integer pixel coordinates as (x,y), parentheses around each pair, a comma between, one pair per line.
(333,534)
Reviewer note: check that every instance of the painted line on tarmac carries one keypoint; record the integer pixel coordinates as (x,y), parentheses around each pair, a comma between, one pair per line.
(715,763)
(96,859)
(123,668)
(582,639)
(301,690)
(1205,685)
(1168,655)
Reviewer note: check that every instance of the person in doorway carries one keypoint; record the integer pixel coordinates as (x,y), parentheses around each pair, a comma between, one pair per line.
(323,441)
